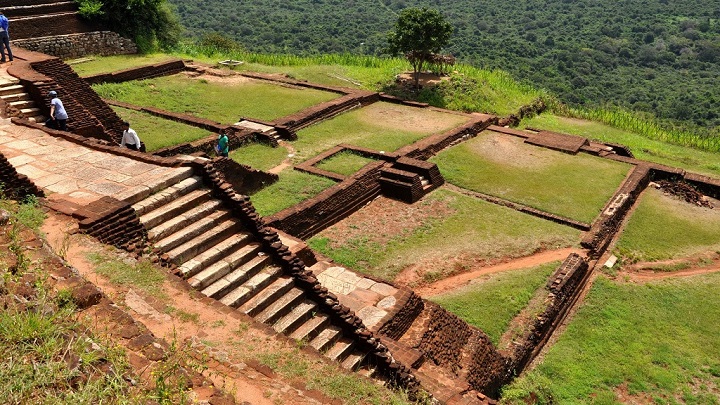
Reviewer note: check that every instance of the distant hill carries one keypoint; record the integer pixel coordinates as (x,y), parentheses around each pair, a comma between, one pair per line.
(659,56)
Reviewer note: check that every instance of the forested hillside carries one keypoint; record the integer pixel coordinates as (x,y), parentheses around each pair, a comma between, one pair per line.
(659,56)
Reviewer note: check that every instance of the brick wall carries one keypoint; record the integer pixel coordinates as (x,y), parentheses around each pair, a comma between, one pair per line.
(71,46)
(332,205)
(88,114)
(15,185)
(427,147)
(407,308)
(113,222)
(244,179)
(137,73)
(445,337)
(49,25)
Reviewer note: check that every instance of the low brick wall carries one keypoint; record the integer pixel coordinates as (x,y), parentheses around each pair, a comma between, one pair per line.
(71,46)
(332,205)
(326,110)
(562,287)
(428,147)
(113,222)
(399,321)
(15,185)
(138,73)
(609,221)
(445,337)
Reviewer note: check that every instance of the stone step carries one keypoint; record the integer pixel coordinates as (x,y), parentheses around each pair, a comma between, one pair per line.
(30,112)
(267,296)
(167,195)
(218,252)
(326,338)
(341,349)
(232,280)
(250,288)
(22,104)
(192,230)
(40,119)
(203,242)
(234,269)
(368,371)
(281,306)
(353,361)
(301,313)
(176,207)
(310,328)
(8,98)
(12,89)
(181,221)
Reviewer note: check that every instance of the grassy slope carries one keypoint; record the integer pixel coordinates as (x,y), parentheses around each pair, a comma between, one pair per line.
(215,101)
(259,156)
(292,188)
(474,229)
(491,303)
(345,163)
(157,132)
(646,236)
(661,339)
(572,186)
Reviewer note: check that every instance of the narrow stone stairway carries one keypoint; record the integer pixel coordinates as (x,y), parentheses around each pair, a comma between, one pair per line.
(217,256)
(20,104)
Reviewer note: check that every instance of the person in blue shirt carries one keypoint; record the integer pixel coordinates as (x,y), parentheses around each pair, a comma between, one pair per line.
(223,145)
(58,115)
(4,38)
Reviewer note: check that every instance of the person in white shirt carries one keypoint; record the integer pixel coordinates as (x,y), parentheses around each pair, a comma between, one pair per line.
(130,138)
(58,115)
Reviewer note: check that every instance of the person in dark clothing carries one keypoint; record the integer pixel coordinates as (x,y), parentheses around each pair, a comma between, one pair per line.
(223,145)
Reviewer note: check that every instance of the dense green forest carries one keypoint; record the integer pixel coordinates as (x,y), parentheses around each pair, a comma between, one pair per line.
(658,56)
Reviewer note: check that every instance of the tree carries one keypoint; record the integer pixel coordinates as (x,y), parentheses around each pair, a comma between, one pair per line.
(418,33)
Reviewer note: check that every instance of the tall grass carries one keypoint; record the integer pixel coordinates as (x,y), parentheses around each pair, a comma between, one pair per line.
(643,124)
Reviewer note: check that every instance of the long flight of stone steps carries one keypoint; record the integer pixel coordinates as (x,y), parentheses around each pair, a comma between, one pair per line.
(19,101)
(218,257)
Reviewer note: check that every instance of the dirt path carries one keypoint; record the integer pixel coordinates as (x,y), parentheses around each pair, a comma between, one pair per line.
(288,160)
(643,276)
(463,279)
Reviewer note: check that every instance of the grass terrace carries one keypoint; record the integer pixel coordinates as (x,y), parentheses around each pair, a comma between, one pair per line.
(647,237)
(492,302)
(651,343)
(292,188)
(501,165)
(443,234)
(381,126)
(259,156)
(643,148)
(106,64)
(345,163)
(158,133)
(217,99)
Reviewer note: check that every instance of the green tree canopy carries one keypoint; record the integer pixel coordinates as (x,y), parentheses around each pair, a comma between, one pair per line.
(418,33)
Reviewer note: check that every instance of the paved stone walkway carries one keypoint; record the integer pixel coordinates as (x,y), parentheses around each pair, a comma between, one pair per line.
(73,173)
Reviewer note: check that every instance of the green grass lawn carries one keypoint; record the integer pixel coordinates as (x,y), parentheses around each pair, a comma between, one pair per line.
(492,302)
(663,227)
(346,163)
(223,102)
(292,188)
(380,126)
(643,148)
(157,132)
(572,186)
(107,64)
(259,156)
(661,340)
(468,231)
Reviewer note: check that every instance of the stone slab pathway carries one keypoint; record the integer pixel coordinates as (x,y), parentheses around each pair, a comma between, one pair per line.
(77,174)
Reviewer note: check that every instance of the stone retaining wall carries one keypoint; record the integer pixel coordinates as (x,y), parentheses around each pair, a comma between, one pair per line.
(14,185)
(72,46)
(428,147)
(138,73)
(113,222)
(51,25)
(244,179)
(331,206)
(445,337)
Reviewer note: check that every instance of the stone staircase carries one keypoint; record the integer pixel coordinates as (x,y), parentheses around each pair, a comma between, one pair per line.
(19,103)
(220,258)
